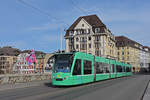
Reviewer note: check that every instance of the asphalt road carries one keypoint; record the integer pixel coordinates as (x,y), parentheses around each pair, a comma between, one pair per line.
(126,88)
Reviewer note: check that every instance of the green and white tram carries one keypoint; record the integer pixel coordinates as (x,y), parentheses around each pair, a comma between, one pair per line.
(80,68)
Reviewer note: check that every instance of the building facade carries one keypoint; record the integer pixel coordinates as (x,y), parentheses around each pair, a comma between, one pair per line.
(22,66)
(88,34)
(145,58)
(39,65)
(6,64)
(128,51)
(8,57)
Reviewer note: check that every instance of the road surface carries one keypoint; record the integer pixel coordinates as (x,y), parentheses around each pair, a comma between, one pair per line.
(126,88)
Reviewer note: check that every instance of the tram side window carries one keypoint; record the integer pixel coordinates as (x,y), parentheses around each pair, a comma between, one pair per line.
(128,69)
(119,68)
(106,68)
(87,67)
(113,68)
(123,69)
(99,68)
(77,67)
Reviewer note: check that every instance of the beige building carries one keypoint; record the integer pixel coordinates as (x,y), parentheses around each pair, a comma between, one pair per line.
(8,57)
(89,34)
(128,51)
(6,64)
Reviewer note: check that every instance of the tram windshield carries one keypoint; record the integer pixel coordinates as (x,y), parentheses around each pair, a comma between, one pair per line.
(63,63)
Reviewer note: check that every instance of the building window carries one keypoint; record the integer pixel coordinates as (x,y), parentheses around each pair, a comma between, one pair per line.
(122,53)
(97,38)
(77,32)
(89,45)
(118,53)
(77,39)
(97,45)
(97,30)
(82,31)
(82,25)
(97,53)
(83,46)
(71,33)
(85,31)
(122,58)
(83,39)
(89,38)
(77,46)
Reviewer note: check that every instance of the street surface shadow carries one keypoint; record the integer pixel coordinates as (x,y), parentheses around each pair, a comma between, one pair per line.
(49,84)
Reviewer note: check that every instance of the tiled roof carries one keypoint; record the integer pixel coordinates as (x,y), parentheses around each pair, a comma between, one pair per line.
(36,52)
(126,41)
(147,48)
(93,20)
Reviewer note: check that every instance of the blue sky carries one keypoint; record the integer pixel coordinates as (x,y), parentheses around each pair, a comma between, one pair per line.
(26,28)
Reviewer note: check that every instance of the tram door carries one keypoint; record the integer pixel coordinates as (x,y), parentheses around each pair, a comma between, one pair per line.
(76,75)
(113,74)
(88,75)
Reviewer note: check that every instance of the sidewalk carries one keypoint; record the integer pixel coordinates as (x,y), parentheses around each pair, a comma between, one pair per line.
(147,93)
(23,85)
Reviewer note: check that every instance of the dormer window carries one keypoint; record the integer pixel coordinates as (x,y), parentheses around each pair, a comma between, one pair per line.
(97,30)
(71,33)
